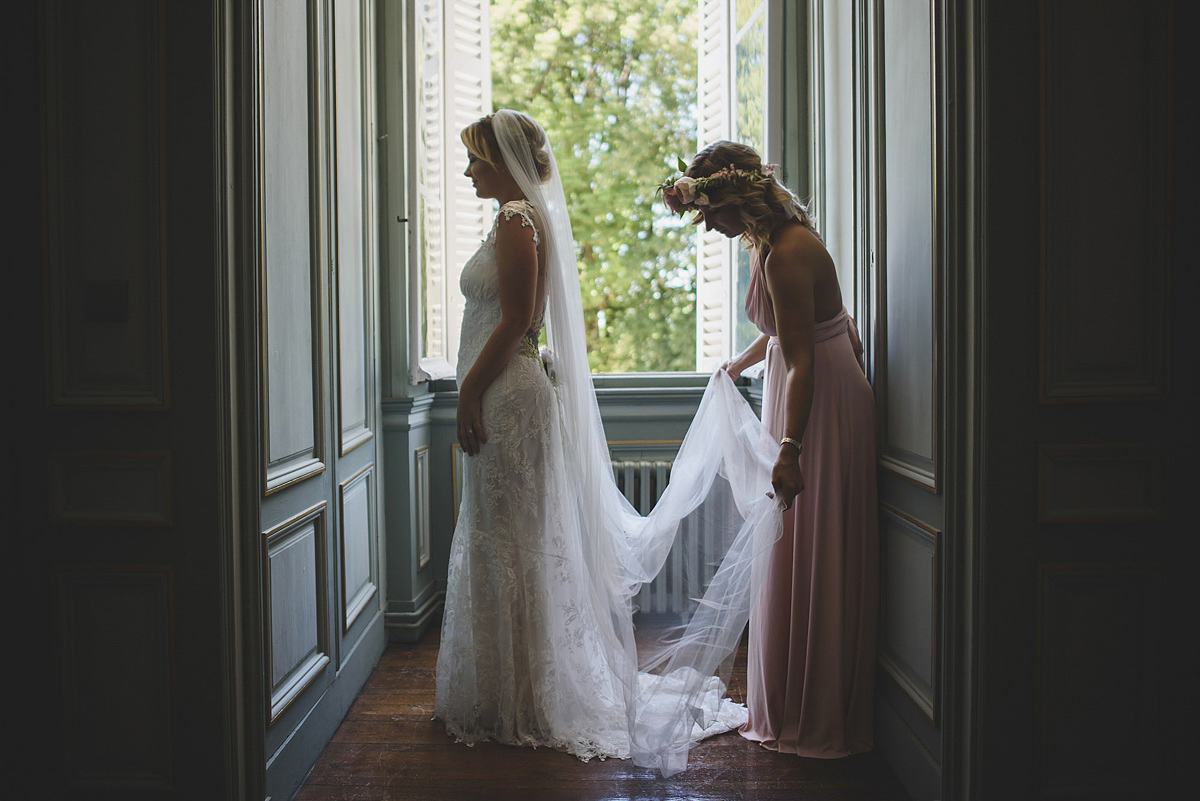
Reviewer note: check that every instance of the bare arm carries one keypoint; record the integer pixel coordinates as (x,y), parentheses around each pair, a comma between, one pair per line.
(790,273)
(517,260)
(753,354)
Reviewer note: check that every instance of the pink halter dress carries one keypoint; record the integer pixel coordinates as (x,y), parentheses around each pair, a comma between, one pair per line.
(811,667)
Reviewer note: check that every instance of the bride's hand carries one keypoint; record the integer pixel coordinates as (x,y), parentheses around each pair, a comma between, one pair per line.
(470,424)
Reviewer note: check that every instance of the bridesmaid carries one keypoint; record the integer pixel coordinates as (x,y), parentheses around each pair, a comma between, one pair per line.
(810,674)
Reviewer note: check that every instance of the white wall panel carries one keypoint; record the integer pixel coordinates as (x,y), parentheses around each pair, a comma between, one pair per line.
(359,563)
(354,330)
(907,248)
(423,499)
(291,324)
(908,625)
(298,641)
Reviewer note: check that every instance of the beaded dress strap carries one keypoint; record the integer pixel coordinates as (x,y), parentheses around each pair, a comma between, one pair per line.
(523,208)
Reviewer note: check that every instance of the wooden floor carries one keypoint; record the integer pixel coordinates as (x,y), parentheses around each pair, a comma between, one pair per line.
(389,747)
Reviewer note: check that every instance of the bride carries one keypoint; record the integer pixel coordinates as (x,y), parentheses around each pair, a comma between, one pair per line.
(538,645)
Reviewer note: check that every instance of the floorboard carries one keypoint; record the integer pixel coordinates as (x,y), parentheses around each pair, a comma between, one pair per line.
(389,748)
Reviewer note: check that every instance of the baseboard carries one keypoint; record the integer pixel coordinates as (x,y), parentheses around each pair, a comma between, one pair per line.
(917,769)
(411,626)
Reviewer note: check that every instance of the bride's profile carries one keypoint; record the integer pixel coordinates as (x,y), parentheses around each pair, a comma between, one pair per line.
(538,643)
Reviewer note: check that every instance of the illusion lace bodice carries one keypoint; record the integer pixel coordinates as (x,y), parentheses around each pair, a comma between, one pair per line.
(480,286)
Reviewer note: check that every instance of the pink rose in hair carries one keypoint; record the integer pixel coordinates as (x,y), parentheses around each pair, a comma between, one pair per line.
(671,198)
(686,187)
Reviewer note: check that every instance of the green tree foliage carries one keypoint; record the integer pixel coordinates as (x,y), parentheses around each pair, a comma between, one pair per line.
(614,84)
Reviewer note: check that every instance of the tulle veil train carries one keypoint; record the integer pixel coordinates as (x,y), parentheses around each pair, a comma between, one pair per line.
(715,514)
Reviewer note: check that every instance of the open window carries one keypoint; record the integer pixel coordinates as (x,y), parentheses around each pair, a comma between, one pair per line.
(739,62)
(738,73)
(451,54)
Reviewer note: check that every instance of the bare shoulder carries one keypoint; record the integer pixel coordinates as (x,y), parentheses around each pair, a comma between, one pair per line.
(795,240)
(796,247)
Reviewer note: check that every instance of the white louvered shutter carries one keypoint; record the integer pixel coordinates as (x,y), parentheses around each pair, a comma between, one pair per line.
(430,179)
(453,56)
(468,92)
(714,310)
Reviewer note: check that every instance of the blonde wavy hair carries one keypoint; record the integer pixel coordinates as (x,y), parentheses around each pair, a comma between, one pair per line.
(480,139)
(763,202)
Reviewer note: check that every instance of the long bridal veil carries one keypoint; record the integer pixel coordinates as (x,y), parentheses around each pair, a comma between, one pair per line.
(714,522)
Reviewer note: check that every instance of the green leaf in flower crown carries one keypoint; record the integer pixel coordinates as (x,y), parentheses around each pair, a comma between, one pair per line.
(682,164)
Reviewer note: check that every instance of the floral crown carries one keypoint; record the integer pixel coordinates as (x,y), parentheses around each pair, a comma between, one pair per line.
(682,192)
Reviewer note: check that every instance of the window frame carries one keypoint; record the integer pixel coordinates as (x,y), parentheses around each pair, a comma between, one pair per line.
(786,141)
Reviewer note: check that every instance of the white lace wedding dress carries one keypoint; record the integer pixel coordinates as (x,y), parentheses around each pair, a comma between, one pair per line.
(538,638)
(532,653)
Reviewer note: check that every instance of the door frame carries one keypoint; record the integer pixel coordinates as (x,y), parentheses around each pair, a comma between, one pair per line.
(236,116)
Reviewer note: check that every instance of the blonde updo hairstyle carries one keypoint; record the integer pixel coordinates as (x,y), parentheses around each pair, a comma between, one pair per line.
(762,202)
(480,139)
